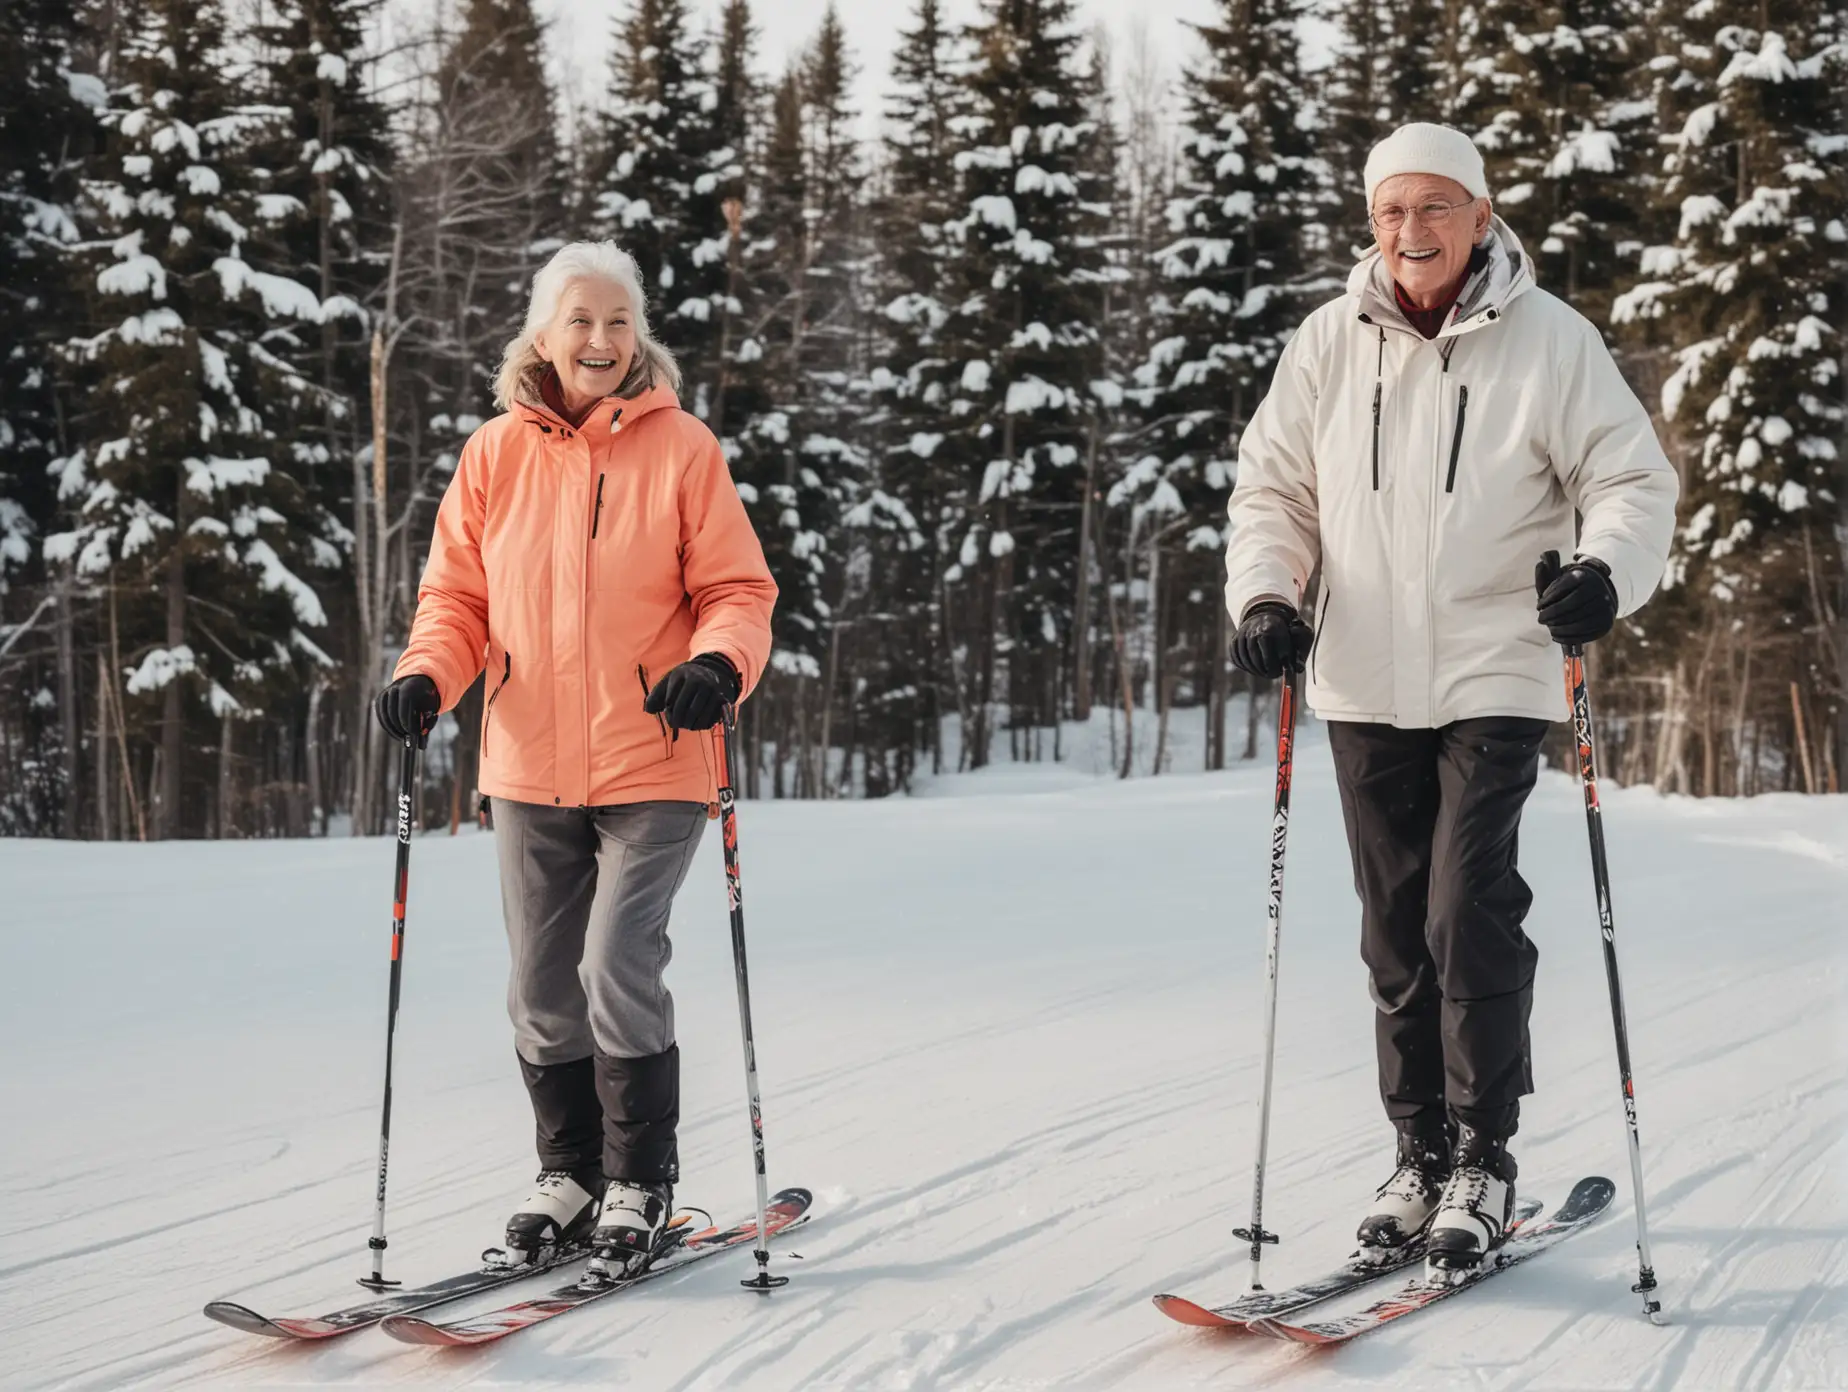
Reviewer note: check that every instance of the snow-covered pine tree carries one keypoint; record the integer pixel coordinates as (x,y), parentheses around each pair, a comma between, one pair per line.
(1749,298)
(46,121)
(793,456)
(180,493)
(46,127)
(764,456)
(916,197)
(1358,91)
(658,184)
(1237,276)
(1428,43)
(329,210)
(1025,295)
(1563,140)
(737,115)
(850,520)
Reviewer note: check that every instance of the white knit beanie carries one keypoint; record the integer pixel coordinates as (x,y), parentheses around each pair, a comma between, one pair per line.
(1422,148)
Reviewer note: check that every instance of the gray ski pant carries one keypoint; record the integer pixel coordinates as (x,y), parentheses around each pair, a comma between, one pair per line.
(586,893)
(1433,818)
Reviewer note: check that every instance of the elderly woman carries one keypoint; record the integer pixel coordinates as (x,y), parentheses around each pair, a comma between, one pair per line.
(592,552)
(1427,437)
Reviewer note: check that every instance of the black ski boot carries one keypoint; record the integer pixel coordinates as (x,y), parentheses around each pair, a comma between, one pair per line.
(1477,1206)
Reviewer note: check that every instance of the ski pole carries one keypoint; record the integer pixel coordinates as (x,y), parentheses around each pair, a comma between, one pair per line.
(401,881)
(728,827)
(1580,697)
(1280,827)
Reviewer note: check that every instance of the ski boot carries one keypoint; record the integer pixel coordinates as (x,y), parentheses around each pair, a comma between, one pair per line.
(1472,1218)
(560,1212)
(1403,1205)
(630,1230)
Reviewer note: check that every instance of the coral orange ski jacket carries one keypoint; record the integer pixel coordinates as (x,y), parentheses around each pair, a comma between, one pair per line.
(578,565)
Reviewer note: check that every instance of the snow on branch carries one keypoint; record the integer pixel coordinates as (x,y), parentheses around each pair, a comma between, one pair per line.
(213,474)
(277,577)
(160,668)
(281,297)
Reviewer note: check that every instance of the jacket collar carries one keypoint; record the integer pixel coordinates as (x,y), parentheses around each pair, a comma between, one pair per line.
(1507,276)
(611,414)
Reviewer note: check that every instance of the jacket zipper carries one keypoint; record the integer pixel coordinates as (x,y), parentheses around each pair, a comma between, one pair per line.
(487,720)
(1379,373)
(1456,440)
(596,518)
(1321,622)
(1376,437)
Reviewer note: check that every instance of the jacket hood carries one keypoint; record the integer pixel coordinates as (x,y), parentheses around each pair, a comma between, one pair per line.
(1508,275)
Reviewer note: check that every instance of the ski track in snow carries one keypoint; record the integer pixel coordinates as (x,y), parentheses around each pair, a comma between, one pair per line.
(1009,1033)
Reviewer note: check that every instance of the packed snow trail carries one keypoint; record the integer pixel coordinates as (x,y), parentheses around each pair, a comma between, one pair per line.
(1009,1033)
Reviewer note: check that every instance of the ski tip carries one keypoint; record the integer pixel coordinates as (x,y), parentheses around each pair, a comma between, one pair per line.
(1184,1311)
(409,1329)
(248,1321)
(241,1318)
(1589,1197)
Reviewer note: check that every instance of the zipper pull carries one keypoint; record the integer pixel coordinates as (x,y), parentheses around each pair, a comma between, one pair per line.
(596,518)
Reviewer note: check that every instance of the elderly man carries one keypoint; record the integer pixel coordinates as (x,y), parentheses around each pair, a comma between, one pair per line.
(1427,437)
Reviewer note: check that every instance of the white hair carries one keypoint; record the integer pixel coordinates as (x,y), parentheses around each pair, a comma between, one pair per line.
(521,364)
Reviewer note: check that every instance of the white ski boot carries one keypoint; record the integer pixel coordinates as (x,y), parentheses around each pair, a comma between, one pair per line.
(1403,1205)
(629,1230)
(561,1211)
(1472,1218)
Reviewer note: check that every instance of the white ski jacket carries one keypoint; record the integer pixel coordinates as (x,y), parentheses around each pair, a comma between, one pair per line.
(1426,478)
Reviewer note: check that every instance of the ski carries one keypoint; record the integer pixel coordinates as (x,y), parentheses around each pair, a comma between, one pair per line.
(1588,1199)
(786,1210)
(403,1302)
(1351,1275)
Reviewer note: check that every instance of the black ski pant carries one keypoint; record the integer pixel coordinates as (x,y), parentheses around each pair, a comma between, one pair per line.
(1432,823)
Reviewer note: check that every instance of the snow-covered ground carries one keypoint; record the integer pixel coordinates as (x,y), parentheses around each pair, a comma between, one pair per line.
(1012,1043)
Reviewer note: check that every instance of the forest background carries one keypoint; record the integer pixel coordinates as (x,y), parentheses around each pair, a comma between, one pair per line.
(979,359)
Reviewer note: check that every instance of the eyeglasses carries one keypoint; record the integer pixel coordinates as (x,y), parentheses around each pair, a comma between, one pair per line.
(1392,217)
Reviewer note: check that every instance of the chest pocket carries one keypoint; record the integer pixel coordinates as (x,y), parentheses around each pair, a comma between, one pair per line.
(1499,494)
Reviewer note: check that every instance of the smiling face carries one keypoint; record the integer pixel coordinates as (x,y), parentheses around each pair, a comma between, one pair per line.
(1429,261)
(590,341)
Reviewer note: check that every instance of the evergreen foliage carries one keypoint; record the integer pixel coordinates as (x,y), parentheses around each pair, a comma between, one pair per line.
(183,482)
(979,360)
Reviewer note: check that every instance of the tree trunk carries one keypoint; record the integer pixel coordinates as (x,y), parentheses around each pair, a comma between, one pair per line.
(1216,690)
(311,754)
(167,821)
(121,723)
(225,781)
(105,823)
(68,733)
(1081,598)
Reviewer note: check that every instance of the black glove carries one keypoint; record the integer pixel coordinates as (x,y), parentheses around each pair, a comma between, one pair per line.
(1578,604)
(1271,636)
(408,708)
(694,695)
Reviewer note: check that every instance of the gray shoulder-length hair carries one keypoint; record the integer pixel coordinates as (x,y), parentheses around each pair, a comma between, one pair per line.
(521,366)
